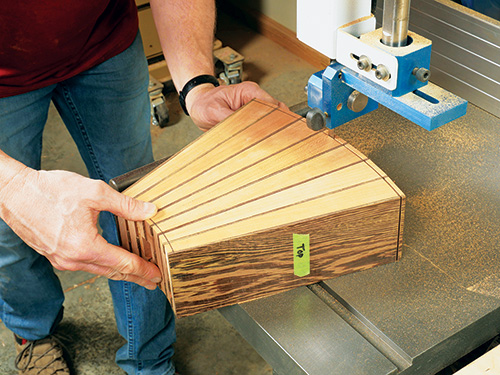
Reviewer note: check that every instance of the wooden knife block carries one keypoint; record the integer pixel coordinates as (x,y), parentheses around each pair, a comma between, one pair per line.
(233,204)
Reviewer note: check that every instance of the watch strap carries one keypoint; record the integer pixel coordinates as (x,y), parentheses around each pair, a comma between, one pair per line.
(191,84)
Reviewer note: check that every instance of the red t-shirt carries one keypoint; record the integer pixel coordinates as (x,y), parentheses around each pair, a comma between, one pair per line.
(48,41)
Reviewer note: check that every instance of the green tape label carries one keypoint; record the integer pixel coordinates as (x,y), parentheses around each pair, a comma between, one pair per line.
(301,259)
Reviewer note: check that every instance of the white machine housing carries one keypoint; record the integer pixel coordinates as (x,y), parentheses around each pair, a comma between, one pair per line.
(318,21)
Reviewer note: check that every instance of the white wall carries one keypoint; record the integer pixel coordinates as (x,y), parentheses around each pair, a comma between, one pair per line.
(282,11)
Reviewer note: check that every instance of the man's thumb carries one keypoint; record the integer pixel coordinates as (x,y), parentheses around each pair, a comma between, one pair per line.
(131,209)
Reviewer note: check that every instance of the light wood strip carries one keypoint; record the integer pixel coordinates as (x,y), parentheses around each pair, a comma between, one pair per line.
(133,237)
(487,364)
(162,264)
(149,239)
(240,172)
(166,250)
(272,147)
(211,140)
(331,182)
(147,246)
(273,187)
(357,196)
(141,237)
(173,188)
(158,258)
(123,232)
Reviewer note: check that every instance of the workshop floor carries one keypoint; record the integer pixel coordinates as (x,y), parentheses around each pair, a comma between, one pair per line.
(207,344)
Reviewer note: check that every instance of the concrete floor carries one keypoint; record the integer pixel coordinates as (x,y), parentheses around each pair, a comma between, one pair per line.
(207,344)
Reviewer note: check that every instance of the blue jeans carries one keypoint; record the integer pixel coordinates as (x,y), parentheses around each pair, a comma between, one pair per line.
(107,112)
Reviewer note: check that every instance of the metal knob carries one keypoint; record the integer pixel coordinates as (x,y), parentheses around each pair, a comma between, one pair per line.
(357,101)
(316,119)
(422,74)
(364,63)
(382,72)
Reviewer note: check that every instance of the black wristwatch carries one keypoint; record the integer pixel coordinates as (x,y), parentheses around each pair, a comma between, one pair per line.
(191,84)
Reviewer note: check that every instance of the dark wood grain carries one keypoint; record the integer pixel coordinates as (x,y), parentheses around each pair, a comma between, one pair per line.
(230,203)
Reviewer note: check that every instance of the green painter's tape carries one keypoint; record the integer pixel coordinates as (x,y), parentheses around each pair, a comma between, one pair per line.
(301,258)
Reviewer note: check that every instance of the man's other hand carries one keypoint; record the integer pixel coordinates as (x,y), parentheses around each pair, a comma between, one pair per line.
(55,212)
(208,105)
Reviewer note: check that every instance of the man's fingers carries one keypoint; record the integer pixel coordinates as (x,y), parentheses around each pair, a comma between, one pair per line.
(125,206)
(251,90)
(114,263)
(123,262)
(209,105)
(114,275)
(283,106)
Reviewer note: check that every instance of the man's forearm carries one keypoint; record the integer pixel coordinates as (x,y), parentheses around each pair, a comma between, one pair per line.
(186,31)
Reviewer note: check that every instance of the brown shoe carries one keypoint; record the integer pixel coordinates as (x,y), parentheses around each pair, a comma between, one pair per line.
(41,357)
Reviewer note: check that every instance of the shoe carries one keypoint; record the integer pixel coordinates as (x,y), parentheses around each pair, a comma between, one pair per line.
(41,357)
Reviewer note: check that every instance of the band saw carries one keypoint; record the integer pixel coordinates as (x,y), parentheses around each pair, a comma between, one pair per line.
(389,65)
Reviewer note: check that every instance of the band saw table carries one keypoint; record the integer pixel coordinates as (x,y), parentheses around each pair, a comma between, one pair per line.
(425,311)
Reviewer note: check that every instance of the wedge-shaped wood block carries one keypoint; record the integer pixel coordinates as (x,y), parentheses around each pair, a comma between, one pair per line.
(261,204)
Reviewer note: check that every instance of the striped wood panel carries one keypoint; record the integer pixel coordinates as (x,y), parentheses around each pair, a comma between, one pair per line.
(230,202)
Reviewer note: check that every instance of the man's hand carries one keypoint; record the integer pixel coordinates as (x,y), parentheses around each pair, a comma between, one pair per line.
(55,212)
(208,105)
(186,32)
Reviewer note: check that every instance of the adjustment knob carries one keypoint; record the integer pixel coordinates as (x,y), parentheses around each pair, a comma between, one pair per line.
(316,119)
(422,74)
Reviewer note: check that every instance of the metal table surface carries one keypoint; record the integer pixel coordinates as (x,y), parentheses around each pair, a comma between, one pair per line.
(437,303)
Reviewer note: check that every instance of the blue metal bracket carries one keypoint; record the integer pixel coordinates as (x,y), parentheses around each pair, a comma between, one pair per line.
(328,92)
(429,106)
